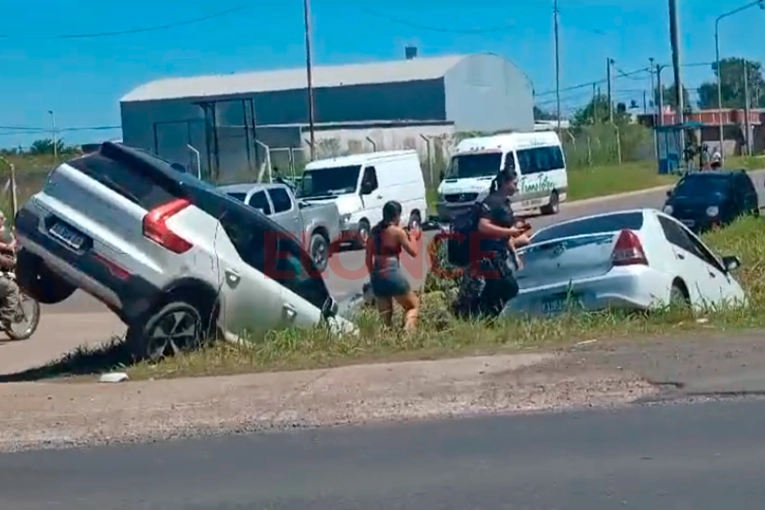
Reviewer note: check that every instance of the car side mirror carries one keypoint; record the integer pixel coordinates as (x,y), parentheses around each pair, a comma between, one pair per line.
(441,175)
(669,193)
(366,188)
(330,307)
(731,263)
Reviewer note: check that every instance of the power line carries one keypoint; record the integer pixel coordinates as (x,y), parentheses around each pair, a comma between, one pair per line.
(130,31)
(469,31)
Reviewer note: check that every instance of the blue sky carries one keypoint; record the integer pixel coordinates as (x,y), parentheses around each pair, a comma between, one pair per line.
(82,79)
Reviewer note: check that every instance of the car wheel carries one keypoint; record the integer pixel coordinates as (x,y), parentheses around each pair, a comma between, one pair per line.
(319,250)
(167,330)
(678,295)
(363,233)
(38,281)
(554,206)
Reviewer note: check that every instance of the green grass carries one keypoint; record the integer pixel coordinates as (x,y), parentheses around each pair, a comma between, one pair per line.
(441,335)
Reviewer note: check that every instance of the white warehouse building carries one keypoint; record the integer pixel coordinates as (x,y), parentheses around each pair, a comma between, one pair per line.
(231,119)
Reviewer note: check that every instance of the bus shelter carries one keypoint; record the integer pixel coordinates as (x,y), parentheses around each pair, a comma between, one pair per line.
(670,145)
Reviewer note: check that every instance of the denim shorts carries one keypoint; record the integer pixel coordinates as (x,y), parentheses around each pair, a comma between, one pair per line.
(389,280)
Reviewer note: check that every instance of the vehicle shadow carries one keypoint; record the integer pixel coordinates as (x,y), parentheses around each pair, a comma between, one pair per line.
(83,361)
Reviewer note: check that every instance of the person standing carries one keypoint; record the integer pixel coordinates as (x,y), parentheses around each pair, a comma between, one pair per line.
(489,280)
(384,245)
(10,294)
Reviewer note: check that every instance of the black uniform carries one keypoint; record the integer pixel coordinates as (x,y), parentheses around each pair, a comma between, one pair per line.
(489,282)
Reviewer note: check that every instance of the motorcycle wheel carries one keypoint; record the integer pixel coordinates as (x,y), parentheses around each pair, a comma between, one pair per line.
(26,320)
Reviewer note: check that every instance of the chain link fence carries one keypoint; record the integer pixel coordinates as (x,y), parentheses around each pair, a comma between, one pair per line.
(608,145)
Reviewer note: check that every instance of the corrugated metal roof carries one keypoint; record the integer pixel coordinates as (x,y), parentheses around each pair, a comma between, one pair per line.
(290,79)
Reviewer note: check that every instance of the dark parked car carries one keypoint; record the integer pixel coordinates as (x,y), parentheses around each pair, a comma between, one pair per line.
(703,200)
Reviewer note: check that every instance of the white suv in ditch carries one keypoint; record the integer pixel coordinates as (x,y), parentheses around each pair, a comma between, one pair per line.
(174,258)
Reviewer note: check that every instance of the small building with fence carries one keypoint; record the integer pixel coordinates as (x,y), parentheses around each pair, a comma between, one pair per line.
(231,125)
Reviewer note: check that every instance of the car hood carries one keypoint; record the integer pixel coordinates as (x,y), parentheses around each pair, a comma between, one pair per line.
(689,202)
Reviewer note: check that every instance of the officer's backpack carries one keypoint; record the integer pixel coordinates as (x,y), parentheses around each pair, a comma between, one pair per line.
(463,229)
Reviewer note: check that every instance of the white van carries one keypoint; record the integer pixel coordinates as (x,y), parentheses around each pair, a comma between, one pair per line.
(360,185)
(537,158)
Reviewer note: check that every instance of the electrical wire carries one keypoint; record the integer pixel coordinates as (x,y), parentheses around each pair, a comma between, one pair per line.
(399,21)
(140,30)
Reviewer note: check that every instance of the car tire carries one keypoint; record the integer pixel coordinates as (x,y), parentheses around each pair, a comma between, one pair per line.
(166,330)
(319,250)
(678,296)
(554,206)
(38,281)
(362,234)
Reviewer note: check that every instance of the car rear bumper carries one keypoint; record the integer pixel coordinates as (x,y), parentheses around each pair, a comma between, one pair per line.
(127,295)
(637,288)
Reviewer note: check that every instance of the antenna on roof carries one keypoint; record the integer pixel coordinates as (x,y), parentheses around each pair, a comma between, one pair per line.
(410,52)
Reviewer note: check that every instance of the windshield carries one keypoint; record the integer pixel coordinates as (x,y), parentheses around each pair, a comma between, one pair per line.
(329,182)
(591,225)
(697,186)
(474,165)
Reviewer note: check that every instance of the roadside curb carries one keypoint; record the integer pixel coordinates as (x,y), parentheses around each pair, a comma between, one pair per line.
(60,415)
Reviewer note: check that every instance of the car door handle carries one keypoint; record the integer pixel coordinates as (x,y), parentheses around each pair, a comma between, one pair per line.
(289,310)
(680,256)
(712,274)
(379,196)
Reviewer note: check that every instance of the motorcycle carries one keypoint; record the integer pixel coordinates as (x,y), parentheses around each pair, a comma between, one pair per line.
(27,316)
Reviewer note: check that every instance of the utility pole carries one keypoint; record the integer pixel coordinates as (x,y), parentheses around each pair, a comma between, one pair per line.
(594,103)
(609,63)
(746,108)
(54,133)
(674,34)
(660,88)
(556,15)
(309,75)
(653,90)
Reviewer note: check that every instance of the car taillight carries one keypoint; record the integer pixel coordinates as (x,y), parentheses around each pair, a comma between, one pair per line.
(628,250)
(155,226)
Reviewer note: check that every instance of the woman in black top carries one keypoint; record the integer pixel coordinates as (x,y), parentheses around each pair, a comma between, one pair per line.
(490,282)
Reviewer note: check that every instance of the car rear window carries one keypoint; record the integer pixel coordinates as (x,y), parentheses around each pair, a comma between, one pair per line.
(592,225)
(132,184)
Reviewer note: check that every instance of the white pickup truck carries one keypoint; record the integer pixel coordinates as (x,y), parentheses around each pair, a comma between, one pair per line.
(317,225)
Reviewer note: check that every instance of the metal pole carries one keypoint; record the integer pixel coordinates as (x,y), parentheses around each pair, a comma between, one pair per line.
(653,90)
(660,88)
(309,75)
(55,135)
(746,108)
(556,15)
(720,133)
(674,34)
(610,101)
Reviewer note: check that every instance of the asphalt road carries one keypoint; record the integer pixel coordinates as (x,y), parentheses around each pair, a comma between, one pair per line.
(344,278)
(701,456)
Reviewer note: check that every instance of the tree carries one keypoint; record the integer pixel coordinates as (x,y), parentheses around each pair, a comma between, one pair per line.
(46,145)
(732,84)
(540,114)
(596,112)
(668,96)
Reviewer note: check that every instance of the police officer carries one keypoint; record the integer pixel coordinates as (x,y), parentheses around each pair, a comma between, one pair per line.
(489,281)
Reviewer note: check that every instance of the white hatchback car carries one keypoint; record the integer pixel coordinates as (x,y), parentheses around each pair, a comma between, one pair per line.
(633,260)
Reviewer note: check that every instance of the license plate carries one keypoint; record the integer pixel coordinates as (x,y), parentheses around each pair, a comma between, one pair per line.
(688,223)
(67,236)
(561,304)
